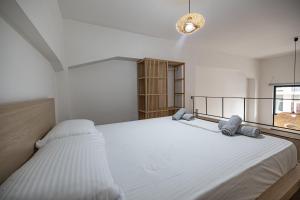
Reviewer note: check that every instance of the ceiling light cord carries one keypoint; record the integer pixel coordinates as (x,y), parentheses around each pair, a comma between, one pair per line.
(295,61)
(190,22)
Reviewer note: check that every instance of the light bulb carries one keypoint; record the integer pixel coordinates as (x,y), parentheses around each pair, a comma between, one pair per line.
(189,27)
(190,23)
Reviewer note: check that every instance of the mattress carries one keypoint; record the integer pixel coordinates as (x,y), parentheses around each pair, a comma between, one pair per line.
(162,159)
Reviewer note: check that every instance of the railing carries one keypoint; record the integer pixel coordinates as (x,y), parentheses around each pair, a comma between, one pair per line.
(195,110)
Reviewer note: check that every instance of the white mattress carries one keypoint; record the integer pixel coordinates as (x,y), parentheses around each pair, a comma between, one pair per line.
(162,159)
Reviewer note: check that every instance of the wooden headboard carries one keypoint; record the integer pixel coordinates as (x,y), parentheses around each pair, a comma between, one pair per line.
(21,125)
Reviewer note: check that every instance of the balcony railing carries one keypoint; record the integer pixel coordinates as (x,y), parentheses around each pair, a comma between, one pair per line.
(243,99)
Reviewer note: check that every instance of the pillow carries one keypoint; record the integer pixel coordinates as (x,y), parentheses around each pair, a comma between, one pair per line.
(68,128)
(249,131)
(179,114)
(69,168)
(188,117)
(232,125)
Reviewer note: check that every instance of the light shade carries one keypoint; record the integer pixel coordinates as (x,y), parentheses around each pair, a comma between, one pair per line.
(190,23)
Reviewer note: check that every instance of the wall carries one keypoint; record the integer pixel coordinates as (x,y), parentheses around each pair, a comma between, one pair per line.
(63,92)
(45,15)
(251,104)
(104,92)
(221,82)
(24,73)
(76,43)
(86,43)
(276,69)
(98,43)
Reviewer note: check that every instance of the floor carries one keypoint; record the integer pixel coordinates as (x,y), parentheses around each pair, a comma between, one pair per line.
(287,121)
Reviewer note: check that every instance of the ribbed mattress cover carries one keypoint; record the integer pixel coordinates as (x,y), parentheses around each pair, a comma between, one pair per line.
(162,159)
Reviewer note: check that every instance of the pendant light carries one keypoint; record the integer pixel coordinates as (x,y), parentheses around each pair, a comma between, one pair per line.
(190,22)
(293,114)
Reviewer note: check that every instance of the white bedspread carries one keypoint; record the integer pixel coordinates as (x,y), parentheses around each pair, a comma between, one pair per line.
(161,159)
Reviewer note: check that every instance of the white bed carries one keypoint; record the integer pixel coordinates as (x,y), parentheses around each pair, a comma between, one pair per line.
(161,159)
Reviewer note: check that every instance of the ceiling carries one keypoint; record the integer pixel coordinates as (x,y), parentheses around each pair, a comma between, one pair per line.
(252,28)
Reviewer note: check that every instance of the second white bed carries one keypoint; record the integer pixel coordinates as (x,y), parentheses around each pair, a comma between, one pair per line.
(163,159)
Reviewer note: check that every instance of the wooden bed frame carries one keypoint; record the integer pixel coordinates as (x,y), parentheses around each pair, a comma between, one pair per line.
(22,124)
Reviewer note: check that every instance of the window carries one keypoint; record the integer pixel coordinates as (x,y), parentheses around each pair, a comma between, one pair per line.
(284,105)
(279,104)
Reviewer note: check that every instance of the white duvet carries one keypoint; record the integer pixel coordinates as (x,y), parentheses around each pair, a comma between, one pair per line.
(162,159)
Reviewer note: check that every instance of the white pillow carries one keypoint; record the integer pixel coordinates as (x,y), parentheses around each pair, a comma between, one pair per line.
(68,168)
(68,128)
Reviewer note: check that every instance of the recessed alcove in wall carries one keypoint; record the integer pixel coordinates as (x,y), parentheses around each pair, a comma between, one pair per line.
(104,91)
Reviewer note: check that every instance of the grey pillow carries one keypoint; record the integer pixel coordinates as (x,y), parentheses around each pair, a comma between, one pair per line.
(249,131)
(188,117)
(221,124)
(179,114)
(232,126)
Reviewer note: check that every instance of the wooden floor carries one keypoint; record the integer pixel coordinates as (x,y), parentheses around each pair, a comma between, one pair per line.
(296,196)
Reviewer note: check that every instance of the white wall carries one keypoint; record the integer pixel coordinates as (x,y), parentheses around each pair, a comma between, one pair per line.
(45,15)
(104,92)
(63,92)
(221,82)
(277,69)
(78,43)
(24,73)
(87,43)
(98,43)
(251,104)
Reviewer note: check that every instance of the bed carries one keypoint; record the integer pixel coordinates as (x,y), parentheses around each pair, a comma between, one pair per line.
(165,159)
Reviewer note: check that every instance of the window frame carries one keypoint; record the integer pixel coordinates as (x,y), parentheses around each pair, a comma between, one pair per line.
(274,99)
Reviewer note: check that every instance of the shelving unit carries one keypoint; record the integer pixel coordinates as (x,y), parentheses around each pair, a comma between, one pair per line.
(153,94)
(179,87)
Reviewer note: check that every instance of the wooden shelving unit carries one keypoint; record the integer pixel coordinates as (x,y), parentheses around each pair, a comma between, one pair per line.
(179,87)
(153,87)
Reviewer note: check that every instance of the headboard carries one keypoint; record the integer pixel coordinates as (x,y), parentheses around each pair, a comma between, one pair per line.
(21,125)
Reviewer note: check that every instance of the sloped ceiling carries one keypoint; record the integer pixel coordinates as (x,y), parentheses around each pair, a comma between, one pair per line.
(252,28)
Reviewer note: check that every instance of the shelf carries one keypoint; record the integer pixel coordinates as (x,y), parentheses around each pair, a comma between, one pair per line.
(153,111)
(153,94)
(175,63)
(171,108)
(141,78)
(153,86)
